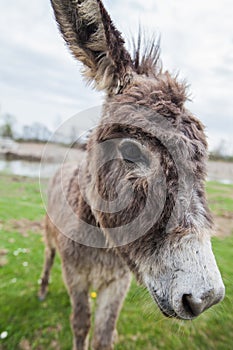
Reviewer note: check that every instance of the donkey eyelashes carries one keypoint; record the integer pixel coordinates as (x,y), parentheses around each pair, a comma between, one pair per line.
(132,153)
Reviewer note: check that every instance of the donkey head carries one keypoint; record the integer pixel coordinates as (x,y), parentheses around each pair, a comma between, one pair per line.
(145,170)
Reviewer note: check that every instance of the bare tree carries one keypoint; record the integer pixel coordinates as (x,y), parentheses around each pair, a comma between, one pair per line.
(7,128)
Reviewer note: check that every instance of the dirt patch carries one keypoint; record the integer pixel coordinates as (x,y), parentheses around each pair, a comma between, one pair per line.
(224,225)
(24,226)
(220,171)
(52,331)
(25,345)
(3,260)
(35,152)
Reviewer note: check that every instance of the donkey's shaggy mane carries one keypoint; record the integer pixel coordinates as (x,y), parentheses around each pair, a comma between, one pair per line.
(146,55)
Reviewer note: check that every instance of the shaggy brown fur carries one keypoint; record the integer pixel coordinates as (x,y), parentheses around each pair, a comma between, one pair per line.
(136,202)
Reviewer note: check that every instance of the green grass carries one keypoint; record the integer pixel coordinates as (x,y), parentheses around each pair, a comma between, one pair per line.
(34,325)
(220,197)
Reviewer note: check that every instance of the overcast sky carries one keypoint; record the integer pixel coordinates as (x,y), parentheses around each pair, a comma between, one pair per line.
(40,81)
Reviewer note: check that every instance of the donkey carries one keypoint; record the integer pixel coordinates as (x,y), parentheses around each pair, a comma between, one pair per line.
(136,202)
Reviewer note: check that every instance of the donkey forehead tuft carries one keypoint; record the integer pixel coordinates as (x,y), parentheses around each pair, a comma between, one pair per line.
(146,99)
(154,108)
(162,93)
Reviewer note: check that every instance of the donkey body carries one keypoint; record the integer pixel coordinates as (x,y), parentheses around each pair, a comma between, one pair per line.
(136,202)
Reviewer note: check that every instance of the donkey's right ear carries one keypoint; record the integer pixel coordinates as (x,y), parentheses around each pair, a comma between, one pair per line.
(93,39)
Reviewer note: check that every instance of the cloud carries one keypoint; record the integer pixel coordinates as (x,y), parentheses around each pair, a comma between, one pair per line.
(39,80)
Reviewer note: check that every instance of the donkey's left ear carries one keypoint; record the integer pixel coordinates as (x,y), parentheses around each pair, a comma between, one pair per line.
(93,39)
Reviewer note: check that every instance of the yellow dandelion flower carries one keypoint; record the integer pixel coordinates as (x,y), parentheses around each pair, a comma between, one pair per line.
(93,295)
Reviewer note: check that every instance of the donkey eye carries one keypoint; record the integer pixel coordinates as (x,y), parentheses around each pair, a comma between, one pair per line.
(131,152)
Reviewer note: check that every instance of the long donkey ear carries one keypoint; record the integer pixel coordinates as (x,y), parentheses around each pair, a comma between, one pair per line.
(93,39)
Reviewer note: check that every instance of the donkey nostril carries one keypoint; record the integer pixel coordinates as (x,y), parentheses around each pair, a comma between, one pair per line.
(193,306)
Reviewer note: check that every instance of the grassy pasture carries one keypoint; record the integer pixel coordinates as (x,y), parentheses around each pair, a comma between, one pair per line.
(33,325)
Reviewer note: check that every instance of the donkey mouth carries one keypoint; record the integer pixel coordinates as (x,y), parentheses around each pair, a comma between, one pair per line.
(169,312)
(164,307)
(166,314)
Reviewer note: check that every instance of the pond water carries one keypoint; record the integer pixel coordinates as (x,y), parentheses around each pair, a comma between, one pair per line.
(25,168)
(34,169)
